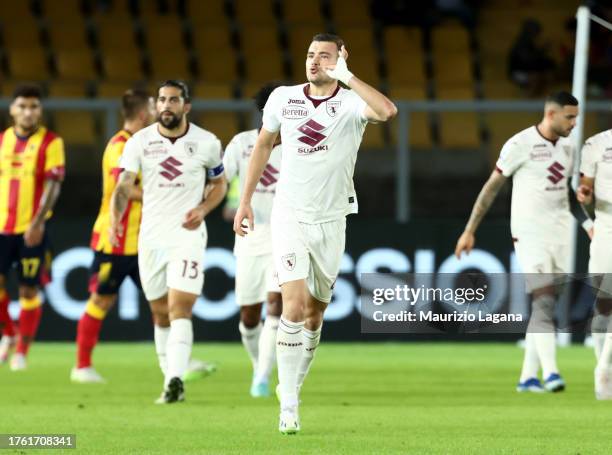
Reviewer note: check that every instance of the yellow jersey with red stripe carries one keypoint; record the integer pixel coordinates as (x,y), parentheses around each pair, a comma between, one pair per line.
(25,164)
(128,243)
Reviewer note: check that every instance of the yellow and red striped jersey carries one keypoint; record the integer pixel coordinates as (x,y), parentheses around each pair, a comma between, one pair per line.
(25,164)
(128,244)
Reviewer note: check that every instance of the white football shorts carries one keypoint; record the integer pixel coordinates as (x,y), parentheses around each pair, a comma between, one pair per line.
(307,251)
(171,268)
(255,277)
(542,263)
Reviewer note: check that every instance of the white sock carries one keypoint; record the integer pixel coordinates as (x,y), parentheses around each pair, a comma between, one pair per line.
(311,340)
(599,327)
(288,354)
(542,327)
(161,342)
(267,349)
(180,341)
(605,358)
(250,340)
(531,361)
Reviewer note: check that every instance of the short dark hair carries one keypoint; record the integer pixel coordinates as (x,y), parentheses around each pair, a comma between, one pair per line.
(133,101)
(330,38)
(27,91)
(262,95)
(562,98)
(177,84)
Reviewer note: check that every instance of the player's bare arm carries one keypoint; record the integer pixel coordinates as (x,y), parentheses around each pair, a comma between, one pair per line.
(481,207)
(136,194)
(584,196)
(214,193)
(119,202)
(585,190)
(34,235)
(257,163)
(379,107)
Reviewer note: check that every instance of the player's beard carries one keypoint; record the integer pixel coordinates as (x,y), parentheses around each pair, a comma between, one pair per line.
(562,133)
(170,123)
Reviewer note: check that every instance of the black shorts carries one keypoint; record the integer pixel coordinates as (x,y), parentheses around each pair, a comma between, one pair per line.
(108,271)
(33,263)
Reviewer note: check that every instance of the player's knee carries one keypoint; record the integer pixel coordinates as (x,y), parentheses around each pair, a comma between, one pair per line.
(274,306)
(104,302)
(161,320)
(250,315)
(28,292)
(544,307)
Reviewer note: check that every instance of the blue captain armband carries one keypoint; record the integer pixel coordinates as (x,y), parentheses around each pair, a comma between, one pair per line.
(215,171)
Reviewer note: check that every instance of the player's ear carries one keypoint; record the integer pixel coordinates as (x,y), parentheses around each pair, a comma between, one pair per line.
(187,108)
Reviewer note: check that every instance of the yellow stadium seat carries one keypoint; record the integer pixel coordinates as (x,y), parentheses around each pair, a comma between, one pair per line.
(420,131)
(223,124)
(351,13)
(68,37)
(115,33)
(75,65)
(20,34)
(458,129)
(62,89)
(452,57)
(117,10)
(158,41)
(299,12)
(28,63)
(76,128)
(405,60)
(210,12)
(374,136)
(68,13)
(16,11)
(122,66)
(215,55)
(363,59)
(258,13)
(170,65)
(262,54)
(213,91)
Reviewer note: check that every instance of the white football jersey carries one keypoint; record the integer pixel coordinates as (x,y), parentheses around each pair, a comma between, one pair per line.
(597,164)
(540,172)
(174,174)
(236,163)
(320,140)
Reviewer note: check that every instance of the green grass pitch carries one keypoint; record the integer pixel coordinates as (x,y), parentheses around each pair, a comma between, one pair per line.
(373,398)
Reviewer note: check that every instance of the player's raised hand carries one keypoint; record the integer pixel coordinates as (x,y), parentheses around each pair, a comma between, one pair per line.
(465,243)
(244,212)
(584,194)
(340,71)
(193,218)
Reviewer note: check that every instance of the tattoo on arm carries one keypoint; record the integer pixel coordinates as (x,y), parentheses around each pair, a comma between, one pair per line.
(48,200)
(121,195)
(484,200)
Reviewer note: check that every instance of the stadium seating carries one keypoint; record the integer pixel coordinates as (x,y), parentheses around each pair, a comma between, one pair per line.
(262,54)
(405,56)
(258,14)
(420,131)
(215,54)
(350,13)
(458,129)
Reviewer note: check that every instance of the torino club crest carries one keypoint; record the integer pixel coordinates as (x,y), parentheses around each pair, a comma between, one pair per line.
(332,107)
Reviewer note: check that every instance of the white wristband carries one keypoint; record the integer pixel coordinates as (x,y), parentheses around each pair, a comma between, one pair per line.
(587,225)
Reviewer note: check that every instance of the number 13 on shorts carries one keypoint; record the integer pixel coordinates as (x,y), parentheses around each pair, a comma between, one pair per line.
(186,273)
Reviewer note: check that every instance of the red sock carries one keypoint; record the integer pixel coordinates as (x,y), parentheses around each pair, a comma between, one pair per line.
(87,337)
(28,325)
(5,318)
